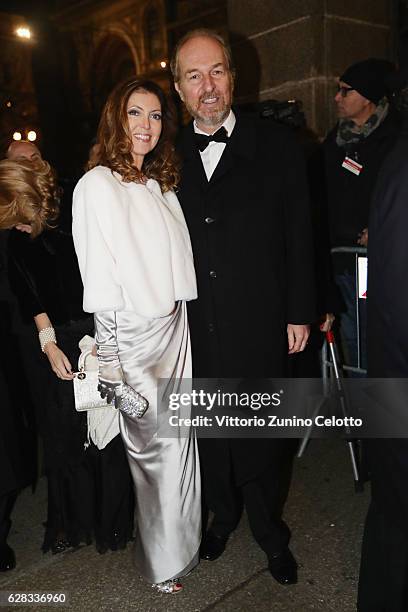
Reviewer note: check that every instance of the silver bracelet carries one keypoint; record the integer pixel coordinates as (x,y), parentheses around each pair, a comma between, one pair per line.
(45,336)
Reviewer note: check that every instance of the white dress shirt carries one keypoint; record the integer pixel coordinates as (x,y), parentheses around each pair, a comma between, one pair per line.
(212,154)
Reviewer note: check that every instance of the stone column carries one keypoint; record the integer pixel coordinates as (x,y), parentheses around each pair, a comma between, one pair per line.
(287,49)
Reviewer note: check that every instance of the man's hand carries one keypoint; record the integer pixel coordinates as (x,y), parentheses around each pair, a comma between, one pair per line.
(326,322)
(297,337)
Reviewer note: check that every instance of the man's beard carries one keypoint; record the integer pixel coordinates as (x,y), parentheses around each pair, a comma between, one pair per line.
(213,119)
(216,118)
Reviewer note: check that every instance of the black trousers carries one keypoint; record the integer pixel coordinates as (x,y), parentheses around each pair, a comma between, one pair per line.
(6,505)
(263,495)
(383,584)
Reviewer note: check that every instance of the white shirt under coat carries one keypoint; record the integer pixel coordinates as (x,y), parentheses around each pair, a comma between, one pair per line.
(212,154)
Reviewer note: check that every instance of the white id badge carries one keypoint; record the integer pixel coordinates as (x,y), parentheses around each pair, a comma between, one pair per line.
(362,278)
(352,166)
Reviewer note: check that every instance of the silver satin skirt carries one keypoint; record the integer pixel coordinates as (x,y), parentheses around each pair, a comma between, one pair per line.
(165,471)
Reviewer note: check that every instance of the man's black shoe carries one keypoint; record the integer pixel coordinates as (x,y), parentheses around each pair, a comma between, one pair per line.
(212,546)
(283,567)
(7,558)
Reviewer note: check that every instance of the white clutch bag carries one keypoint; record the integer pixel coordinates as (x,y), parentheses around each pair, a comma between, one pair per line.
(86,392)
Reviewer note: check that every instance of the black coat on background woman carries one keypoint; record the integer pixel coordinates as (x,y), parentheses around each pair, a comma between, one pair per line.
(45,277)
(89,490)
(17,456)
(17,433)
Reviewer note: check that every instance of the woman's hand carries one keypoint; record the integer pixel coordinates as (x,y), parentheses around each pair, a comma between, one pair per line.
(110,378)
(59,362)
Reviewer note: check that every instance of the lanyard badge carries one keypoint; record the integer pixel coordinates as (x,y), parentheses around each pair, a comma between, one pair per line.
(352,165)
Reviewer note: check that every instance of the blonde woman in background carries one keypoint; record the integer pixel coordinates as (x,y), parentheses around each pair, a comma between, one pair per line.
(89,492)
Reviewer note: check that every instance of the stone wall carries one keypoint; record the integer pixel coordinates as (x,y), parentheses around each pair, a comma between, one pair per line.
(297,49)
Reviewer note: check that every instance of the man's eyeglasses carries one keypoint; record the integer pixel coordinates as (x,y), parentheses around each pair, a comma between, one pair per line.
(343,91)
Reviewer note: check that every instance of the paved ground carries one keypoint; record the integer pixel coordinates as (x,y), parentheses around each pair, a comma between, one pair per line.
(326,519)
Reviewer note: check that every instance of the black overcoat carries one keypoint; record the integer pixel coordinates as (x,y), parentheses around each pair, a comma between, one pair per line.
(44,276)
(252,246)
(387,331)
(349,195)
(17,434)
(251,238)
(388,269)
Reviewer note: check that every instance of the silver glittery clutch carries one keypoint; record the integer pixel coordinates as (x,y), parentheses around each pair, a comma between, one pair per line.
(130,401)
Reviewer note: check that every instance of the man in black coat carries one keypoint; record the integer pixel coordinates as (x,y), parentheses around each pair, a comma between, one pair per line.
(354,151)
(244,196)
(383,585)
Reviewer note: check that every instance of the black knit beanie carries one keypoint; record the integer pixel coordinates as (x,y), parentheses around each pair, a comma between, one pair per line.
(369,78)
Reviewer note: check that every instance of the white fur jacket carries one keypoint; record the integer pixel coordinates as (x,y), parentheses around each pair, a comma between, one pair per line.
(132,244)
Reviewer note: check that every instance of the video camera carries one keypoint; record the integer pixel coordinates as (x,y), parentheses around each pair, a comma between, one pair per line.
(288,112)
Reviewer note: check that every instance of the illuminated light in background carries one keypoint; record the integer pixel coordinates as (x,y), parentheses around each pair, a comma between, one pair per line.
(23,32)
(163,64)
(32,135)
(8,103)
(17,136)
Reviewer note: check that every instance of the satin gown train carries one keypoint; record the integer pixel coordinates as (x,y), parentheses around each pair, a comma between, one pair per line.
(165,471)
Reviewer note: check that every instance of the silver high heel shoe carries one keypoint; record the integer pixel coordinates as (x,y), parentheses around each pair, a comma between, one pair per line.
(168,586)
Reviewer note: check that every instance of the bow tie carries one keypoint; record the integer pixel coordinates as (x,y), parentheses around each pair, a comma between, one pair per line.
(203,140)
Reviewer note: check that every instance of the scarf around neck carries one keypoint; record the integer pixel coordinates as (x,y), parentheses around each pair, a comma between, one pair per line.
(350,133)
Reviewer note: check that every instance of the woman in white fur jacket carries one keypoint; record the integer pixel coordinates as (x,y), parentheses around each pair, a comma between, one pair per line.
(136,263)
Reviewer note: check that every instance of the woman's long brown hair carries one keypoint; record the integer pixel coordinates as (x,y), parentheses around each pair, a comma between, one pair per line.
(114,143)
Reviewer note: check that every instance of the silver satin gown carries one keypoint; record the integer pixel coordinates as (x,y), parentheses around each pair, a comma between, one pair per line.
(165,471)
